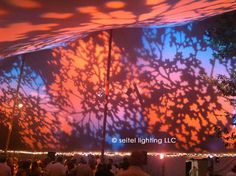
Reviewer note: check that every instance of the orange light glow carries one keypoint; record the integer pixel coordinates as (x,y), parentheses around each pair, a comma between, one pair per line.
(28,4)
(11,34)
(154,2)
(57,15)
(88,9)
(115,4)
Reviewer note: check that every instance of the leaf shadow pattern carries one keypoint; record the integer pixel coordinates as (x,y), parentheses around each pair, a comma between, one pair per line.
(155,92)
(176,101)
(33,124)
(41,24)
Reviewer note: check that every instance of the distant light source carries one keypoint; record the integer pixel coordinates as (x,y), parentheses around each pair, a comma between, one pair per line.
(162,156)
(115,4)
(20,105)
(210,156)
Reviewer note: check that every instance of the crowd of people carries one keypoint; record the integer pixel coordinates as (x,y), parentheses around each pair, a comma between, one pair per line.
(53,165)
(78,165)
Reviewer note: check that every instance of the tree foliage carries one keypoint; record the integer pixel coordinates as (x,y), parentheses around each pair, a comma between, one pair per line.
(222,37)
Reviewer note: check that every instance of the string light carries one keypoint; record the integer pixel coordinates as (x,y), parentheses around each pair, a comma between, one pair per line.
(210,156)
(162,156)
(122,154)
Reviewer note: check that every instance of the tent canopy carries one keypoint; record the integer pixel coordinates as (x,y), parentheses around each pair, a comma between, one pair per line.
(156,88)
(31,25)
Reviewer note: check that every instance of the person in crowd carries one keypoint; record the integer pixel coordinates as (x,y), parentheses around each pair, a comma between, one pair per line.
(5,170)
(92,162)
(103,170)
(99,170)
(43,165)
(193,171)
(10,163)
(57,168)
(24,168)
(125,164)
(135,168)
(35,169)
(113,169)
(232,172)
(117,169)
(49,161)
(83,168)
(209,171)
(15,165)
(71,167)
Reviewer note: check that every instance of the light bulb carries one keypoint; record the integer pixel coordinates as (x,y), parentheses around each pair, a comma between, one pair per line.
(162,156)
(20,105)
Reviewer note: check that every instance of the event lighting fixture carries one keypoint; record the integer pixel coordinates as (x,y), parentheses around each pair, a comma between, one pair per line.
(20,105)
(162,156)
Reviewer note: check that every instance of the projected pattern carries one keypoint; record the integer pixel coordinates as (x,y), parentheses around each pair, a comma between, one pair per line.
(30,25)
(155,91)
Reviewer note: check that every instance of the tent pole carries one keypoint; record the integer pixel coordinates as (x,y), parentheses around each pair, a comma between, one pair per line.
(15,103)
(106,96)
